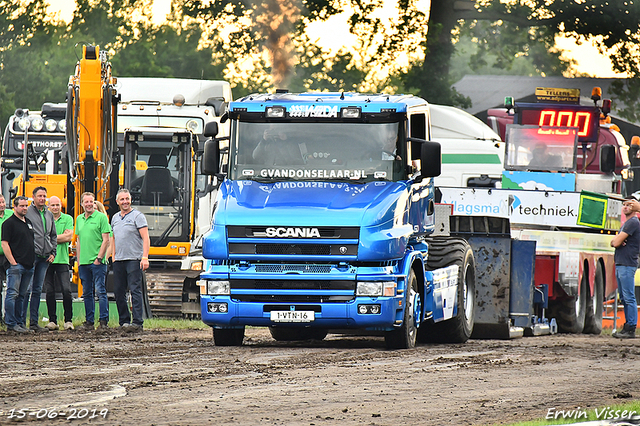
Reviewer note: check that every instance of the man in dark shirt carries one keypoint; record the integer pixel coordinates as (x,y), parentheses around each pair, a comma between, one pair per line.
(19,249)
(627,244)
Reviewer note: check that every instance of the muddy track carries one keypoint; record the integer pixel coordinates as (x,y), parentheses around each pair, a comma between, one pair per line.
(179,377)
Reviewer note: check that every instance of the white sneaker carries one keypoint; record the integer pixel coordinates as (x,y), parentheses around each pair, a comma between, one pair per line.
(52,326)
(68,326)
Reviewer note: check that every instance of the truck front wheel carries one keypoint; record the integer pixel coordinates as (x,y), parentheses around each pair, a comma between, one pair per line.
(595,305)
(404,337)
(570,312)
(445,252)
(228,336)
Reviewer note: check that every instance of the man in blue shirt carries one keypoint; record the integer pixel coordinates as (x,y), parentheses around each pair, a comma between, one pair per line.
(627,244)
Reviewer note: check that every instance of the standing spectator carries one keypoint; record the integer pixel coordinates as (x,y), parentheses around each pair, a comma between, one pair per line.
(101,209)
(130,244)
(92,229)
(627,244)
(44,230)
(58,271)
(4,215)
(18,247)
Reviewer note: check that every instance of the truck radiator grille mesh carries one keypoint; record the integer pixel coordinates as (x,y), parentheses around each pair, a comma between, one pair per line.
(332,290)
(290,249)
(294,285)
(266,298)
(307,269)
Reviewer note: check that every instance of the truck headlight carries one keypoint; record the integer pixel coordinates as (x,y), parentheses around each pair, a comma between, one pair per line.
(51,125)
(376,288)
(23,123)
(37,123)
(215,288)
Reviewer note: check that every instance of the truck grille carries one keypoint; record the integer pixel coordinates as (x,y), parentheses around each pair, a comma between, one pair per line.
(288,249)
(287,298)
(293,285)
(306,249)
(345,232)
(284,268)
(258,242)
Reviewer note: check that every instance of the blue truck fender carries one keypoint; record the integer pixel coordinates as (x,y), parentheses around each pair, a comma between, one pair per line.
(415,260)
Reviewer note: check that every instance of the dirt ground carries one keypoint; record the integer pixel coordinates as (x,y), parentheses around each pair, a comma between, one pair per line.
(179,377)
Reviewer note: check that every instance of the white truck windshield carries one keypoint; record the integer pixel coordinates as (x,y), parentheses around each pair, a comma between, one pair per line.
(541,148)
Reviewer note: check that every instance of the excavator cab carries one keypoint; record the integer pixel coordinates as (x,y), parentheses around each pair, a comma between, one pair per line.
(157,172)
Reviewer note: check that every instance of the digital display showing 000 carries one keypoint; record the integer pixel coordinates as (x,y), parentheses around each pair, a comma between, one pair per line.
(585,118)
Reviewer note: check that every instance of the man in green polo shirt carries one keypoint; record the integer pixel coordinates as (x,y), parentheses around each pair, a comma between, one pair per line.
(4,215)
(58,271)
(92,229)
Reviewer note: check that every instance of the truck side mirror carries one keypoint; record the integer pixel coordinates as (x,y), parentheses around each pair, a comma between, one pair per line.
(211,157)
(430,159)
(211,129)
(607,158)
(218,104)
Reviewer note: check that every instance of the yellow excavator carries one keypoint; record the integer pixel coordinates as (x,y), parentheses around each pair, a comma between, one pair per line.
(92,147)
(91,131)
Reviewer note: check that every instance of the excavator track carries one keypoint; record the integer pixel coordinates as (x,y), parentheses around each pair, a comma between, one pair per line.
(164,290)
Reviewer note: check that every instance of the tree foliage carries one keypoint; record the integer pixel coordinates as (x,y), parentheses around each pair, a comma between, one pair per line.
(262,45)
(523,27)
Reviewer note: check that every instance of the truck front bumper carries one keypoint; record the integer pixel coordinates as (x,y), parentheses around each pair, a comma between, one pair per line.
(380,313)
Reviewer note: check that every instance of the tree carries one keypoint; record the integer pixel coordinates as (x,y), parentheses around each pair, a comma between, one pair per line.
(37,54)
(22,29)
(615,21)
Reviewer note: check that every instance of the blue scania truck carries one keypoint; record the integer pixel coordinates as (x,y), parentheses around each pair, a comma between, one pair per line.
(324,222)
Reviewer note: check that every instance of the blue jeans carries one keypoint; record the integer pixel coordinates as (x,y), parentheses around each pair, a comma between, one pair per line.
(94,276)
(625,275)
(127,273)
(18,280)
(40,270)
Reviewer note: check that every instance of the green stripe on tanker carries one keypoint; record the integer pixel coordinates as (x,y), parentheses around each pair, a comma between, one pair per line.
(470,159)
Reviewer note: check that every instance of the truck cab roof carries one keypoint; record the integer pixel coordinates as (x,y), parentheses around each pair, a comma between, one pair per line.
(370,103)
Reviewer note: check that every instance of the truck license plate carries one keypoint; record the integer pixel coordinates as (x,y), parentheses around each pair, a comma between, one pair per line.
(292,316)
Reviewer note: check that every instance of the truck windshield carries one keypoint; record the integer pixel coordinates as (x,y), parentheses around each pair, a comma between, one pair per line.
(316,151)
(541,148)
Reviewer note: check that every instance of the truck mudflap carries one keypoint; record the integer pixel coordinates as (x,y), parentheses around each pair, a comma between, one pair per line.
(371,313)
(504,286)
(492,256)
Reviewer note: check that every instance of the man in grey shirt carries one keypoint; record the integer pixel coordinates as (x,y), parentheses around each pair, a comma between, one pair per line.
(130,244)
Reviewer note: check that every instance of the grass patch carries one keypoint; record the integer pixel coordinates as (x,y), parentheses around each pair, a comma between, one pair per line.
(179,324)
(149,324)
(576,415)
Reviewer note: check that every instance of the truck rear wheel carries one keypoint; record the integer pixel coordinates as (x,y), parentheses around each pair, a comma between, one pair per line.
(290,334)
(595,305)
(228,336)
(445,252)
(570,313)
(404,337)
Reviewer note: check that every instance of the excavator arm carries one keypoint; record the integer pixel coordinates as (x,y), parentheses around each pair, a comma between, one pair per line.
(91,129)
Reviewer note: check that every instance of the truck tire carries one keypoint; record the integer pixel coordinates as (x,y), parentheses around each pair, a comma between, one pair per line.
(228,336)
(595,305)
(570,312)
(445,251)
(290,334)
(404,337)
